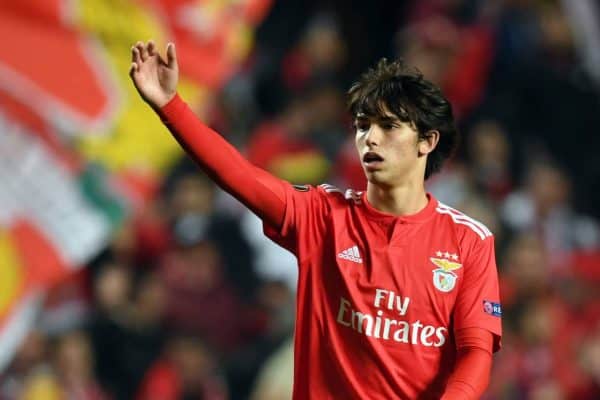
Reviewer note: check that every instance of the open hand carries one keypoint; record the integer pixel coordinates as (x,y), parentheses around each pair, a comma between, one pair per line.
(154,78)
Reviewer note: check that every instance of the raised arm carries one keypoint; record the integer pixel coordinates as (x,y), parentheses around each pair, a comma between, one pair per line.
(156,81)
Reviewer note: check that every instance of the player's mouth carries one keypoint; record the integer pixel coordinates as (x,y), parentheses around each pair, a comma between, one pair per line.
(372,160)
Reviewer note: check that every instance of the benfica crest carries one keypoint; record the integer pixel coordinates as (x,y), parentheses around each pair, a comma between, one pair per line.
(443,278)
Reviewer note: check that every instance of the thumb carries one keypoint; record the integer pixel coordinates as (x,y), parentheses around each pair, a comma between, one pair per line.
(171,56)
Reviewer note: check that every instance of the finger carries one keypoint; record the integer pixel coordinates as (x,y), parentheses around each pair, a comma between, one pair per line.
(139,45)
(171,56)
(151,48)
(133,69)
(142,50)
(135,55)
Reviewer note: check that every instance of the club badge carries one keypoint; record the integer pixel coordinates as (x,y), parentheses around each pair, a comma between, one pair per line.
(444,279)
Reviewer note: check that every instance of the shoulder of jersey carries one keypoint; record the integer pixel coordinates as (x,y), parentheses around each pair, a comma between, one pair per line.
(462,221)
(342,196)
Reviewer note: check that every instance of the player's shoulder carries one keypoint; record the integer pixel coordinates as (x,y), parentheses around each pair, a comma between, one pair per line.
(340,197)
(463,225)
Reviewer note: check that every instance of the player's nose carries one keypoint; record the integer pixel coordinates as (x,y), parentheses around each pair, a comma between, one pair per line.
(374,135)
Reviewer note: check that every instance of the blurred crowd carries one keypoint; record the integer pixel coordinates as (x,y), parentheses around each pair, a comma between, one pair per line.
(191,301)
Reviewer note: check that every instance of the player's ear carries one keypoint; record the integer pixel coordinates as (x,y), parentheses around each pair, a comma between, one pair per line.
(428,142)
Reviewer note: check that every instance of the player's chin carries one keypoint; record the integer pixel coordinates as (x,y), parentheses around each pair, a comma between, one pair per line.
(374,176)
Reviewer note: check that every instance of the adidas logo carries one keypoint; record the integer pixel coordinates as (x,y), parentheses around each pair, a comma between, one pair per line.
(351,254)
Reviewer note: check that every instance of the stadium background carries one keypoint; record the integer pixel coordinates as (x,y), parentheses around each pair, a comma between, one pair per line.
(125,274)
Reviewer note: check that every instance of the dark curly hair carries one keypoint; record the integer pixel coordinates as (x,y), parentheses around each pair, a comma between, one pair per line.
(413,99)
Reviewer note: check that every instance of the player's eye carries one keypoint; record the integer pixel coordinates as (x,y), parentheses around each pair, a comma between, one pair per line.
(361,125)
(389,125)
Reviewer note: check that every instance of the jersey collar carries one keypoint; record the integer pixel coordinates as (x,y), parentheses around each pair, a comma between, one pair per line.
(417,218)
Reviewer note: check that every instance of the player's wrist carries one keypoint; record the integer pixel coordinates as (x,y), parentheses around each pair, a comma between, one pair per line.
(162,100)
(171,108)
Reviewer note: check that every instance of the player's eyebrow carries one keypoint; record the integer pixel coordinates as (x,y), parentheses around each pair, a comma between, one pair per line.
(379,119)
(388,119)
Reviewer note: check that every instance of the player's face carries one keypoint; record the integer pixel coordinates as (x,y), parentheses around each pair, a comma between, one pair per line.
(388,149)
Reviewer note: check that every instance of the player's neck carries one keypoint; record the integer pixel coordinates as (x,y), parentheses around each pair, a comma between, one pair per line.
(405,199)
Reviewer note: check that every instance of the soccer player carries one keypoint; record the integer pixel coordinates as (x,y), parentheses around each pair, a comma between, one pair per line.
(397,292)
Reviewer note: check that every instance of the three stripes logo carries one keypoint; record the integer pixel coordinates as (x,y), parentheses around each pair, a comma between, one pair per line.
(459,218)
(351,254)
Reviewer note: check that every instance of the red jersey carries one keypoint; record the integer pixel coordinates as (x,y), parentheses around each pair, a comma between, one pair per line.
(380,296)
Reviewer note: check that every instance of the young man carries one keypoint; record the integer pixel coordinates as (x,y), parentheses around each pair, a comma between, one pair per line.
(397,293)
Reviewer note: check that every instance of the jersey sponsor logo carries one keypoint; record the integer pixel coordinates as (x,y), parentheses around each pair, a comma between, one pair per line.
(382,324)
(444,279)
(494,309)
(301,188)
(351,254)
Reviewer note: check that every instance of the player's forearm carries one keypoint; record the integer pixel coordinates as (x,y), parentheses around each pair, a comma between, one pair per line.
(258,190)
(474,362)
(471,375)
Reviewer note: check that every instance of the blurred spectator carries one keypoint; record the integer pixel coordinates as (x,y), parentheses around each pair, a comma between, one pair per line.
(273,263)
(75,368)
(489,152)
(283,146)
(112,289)
(543,206)
(149,303)
(28,370)
(66,306)
(199,298)
(124,244)
(277,301)
(329,124)
(276,312)
(321,52)
(192,216)
(42,385)
(524,272)
(589,360)
(453,185)
(187,370)
(457,58)
(276,378)
(127,322)
(583,17)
